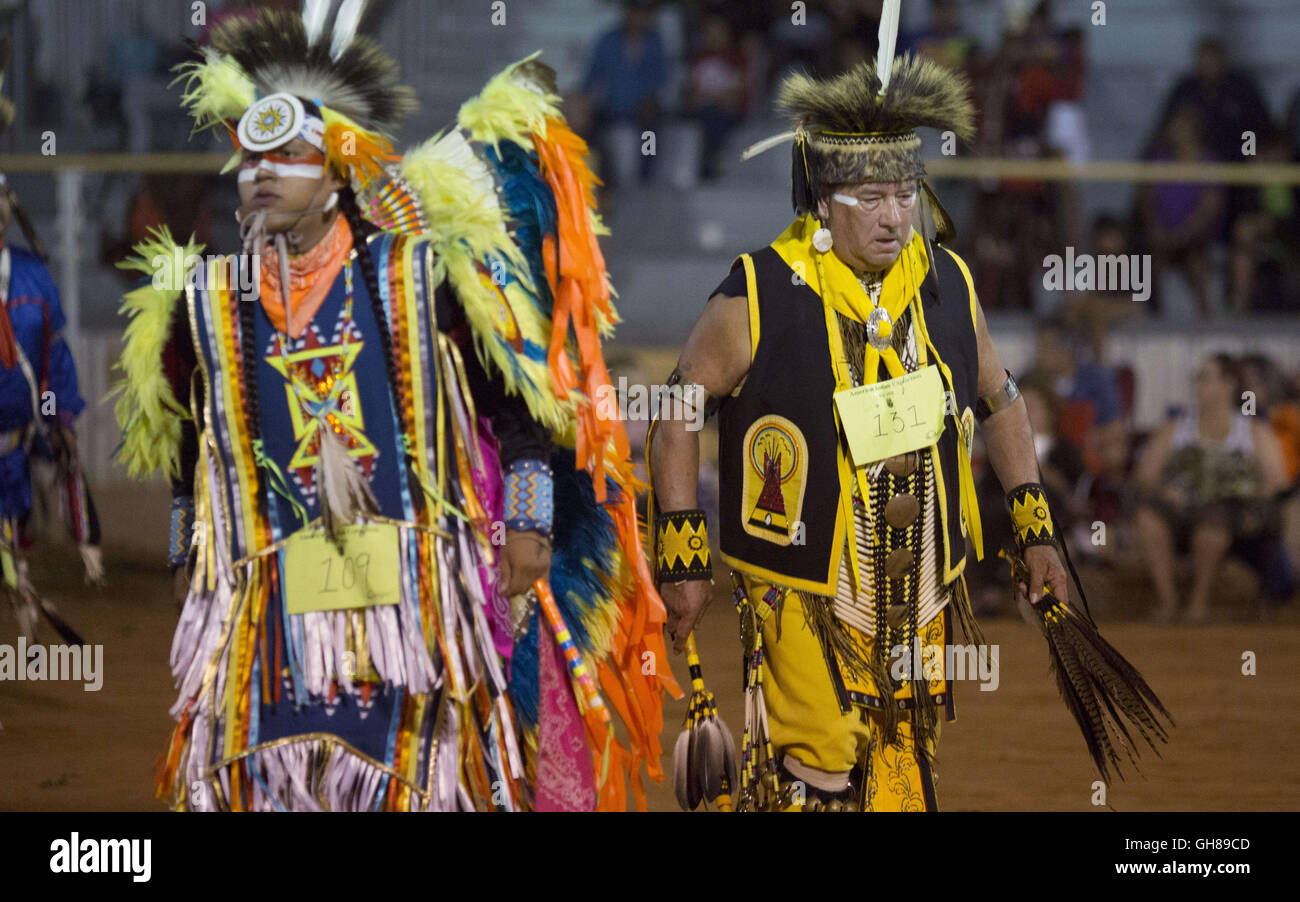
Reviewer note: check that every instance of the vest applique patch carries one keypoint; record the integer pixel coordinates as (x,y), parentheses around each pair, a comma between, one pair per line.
(776,476)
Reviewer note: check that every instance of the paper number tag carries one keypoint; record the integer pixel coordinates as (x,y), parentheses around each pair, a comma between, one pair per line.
(892,417)
(319,578)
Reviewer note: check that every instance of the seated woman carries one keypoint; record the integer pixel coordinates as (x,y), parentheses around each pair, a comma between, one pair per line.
(1206,482)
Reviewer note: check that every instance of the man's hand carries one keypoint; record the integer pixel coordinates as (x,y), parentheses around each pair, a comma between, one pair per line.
(525,559)
(685,602)
(1045,568)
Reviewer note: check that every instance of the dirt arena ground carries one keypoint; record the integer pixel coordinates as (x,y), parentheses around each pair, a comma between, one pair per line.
(1015,748)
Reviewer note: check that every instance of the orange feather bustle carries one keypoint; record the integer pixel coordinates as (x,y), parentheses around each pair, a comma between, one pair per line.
(575,272)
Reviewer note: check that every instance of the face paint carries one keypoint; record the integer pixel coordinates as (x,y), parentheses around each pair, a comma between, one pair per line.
(309,167)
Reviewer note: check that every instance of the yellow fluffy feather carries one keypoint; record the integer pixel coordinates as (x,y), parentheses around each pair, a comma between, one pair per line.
(459,197)
(216,89)
(146,408)
(515,103)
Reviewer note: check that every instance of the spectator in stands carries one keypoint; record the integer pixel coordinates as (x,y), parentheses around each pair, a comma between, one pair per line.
(716,90)
(625,74)
(1180,220)
(1265,239)
(1093,416)
(178,201)
(857,29)
(1227,102)
(1206,483)
(1034,72)
(943,40)
(1275,403)
(1094,314)
(801,40)
(1277,399)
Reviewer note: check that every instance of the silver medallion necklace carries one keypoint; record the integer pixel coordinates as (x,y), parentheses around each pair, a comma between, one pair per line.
(871,284)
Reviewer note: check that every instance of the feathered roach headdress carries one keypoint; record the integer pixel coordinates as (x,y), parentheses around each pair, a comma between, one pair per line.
(861,126)
(280,75)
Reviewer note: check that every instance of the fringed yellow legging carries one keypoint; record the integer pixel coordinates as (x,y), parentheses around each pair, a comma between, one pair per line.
(805,720)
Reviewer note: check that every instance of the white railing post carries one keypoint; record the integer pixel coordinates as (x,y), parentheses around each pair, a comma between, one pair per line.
(68,201)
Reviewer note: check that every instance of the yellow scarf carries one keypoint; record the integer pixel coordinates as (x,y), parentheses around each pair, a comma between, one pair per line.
(841,292)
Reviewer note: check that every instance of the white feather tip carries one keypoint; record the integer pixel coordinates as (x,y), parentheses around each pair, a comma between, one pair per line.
(345,26)
(758,147)
(314,14)
(889,15)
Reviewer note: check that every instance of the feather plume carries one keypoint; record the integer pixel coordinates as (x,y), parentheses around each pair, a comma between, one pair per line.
(216,89)
(920,93)
(1106,695)
(758,147)
(516,102)
(342,490)
(146,408)
(457,191)
(314,14)
(345,26)
(888,36)
(362,83)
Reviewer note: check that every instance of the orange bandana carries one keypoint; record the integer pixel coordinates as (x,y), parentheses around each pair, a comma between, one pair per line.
(311,275)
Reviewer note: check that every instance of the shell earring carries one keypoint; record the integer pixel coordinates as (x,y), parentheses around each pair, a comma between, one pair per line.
(822,240)
(332,202)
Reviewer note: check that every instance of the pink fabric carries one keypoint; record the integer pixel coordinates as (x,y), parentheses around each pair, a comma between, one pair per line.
(565,781)
(491,489)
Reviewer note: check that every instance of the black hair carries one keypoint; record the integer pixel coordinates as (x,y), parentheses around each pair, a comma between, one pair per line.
(361,229)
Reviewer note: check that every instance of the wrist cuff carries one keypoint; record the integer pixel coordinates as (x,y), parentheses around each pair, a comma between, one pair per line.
(999,399)
(682,546)
(181,532)
(1031,520)
(529,497)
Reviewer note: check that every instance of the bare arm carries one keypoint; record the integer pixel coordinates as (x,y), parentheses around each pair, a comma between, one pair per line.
(716,357)
(1009,441)
(1151,463)
(1008,437)
(1268,451)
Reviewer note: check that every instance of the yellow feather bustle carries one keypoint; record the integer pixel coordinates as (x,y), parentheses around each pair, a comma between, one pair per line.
(511,106)
(469,226)
(146,408)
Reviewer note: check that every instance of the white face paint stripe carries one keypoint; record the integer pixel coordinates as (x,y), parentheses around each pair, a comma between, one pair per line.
(283,170)
(846,199)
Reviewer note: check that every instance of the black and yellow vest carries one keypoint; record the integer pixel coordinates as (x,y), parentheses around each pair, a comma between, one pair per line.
(780,514)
